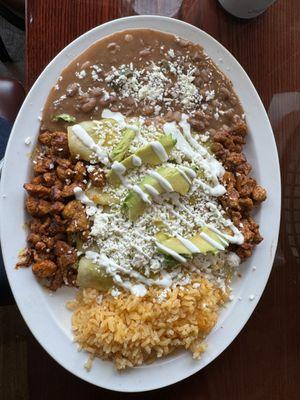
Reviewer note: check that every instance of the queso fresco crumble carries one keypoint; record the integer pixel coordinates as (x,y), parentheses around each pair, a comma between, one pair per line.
(141,195)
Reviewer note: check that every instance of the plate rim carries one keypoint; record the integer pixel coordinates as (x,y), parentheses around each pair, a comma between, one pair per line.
(78,372)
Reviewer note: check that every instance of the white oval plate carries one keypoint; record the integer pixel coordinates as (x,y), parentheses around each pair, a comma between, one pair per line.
(45,313)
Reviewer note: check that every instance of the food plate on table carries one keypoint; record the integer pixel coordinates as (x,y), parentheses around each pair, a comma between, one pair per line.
(151,209)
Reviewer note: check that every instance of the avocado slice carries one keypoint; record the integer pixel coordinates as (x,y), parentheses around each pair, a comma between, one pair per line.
(122,147)
(147,155)
(133,204)
(203,245)
(172,243)
(92,275)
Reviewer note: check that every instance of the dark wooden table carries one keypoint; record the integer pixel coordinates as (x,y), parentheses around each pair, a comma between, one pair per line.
(264,360)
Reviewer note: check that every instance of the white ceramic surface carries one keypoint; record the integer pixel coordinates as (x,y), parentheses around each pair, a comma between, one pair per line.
(45,313)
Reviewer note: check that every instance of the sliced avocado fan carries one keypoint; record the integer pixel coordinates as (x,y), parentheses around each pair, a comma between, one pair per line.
(134,205)
(119,152)
(146,155)
(206,241)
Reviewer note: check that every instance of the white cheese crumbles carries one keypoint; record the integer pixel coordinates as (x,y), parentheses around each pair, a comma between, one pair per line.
(154,85)
(129,248)
(175,82)
(81,74)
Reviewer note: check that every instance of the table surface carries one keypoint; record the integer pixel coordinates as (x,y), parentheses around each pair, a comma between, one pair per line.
(264,360)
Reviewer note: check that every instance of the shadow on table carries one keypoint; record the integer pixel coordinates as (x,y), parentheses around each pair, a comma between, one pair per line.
(6,296)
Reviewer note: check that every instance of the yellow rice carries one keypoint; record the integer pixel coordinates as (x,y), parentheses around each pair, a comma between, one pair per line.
(132,330)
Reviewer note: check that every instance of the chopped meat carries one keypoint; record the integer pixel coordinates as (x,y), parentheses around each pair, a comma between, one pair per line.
(40,246)
(57,207)
(229,179)
(37,180)
(59,144)
(244,251)
(242,191)
(56,281)
(64,173)
(39,256)
(233,160)
(231,199)
(246,204)
(240,129)
(218,149)
(44,269)
(37,207)
(49,178)
(250,230)
(66,255)
(244,168)
(35,225)
(80,171)
(43,165)
(40,207)
(236,217)
(259,194)
(33,238)
(45,225)
(25,258)
(97,176)
(228,141)
(56,193)
(71,208)
(45,138)
(245,185)
(37,190)
(49,191)
(75,214)
(68,190)
(50,241)
(63,162)
(61,248)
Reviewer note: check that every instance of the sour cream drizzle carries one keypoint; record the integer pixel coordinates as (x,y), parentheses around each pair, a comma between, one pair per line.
(186,128)
(189,171)
(171,252)
(151,189)
(160,151)
(164,183)
(82,197)
(179,216)
(182,172)
(143,195)
(188,244)
(212,168)
(113,269)
(136,161)
(120,170)
(211,241)
(170,128)
(236,238)
(86,139)
(119,118)
(197,153)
